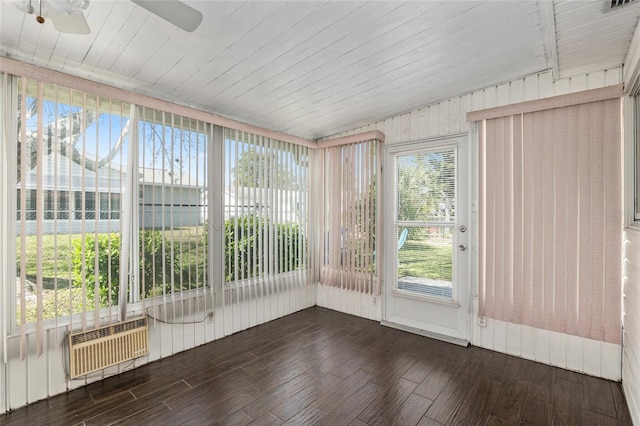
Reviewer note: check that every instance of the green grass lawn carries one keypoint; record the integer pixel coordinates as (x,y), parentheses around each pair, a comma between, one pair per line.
(426,260)
(67,301)
(56,258)
(58,249)
(57,267)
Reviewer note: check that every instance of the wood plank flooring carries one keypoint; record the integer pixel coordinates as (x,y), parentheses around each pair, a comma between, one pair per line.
(320,367)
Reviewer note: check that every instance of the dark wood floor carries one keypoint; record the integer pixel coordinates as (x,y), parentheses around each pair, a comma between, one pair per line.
(323,367)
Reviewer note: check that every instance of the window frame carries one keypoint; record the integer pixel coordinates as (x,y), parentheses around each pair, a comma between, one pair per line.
(635,220)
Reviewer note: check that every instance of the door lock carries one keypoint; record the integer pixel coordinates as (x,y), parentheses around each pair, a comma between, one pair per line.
(462,247)
(462,228)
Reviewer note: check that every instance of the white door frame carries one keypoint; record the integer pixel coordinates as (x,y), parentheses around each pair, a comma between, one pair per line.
(462,334)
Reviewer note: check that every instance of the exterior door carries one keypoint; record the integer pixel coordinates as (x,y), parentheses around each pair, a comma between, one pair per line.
(426,238)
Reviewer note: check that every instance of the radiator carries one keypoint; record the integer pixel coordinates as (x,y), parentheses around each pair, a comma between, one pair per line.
(104,347)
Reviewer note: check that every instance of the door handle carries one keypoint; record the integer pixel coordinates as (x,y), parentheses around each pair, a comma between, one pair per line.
(462,247)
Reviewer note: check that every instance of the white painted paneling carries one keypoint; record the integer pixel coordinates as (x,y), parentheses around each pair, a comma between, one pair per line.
(37,373)
(574,353)
(17,390)
(314,68)
(499,336)
(449,116)
(349,302)
(514,339)
(557,348)
(308,68)
(588,39)
(528,342)
(631,337)
(593,360)
(38,377)
(542,346)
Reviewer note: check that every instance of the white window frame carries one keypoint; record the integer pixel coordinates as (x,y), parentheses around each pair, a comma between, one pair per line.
(636,158)
(632,160)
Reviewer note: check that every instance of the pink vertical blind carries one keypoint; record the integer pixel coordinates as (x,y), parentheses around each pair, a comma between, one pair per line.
(551,219)
(348,217)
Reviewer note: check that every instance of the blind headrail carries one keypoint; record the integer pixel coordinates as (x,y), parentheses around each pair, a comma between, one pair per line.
(570,99)
(358,137)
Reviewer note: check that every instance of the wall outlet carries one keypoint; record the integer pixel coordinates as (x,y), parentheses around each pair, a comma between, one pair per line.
(210,316)
(374,301)
(482,321)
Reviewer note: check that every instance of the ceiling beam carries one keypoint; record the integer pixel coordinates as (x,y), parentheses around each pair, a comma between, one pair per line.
(548,25)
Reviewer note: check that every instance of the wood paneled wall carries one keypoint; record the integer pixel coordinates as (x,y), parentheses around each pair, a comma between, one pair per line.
(448,118)
(38,377)
(631,323)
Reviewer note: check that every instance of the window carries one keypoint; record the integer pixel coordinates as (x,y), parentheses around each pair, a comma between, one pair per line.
(425,204)
(85,205)
(70,146)
(109,205)
(265,209)
(97,179)
(62,211)
(56,204)
(28,212)
(49,204)
(172,170)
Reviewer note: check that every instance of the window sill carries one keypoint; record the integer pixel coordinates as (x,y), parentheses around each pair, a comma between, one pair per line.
(634,227)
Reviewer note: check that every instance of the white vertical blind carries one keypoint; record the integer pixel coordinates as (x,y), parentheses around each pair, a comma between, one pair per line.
(111,212)
(551,219)
(70,156)
(172,214)
(266,221)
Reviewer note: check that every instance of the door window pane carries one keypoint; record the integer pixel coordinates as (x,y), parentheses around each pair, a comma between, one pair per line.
(426,186)
(425,194)
(425,260)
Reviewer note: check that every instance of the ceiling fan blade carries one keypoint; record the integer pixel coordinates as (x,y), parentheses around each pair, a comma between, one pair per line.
(179,14)
(70,24)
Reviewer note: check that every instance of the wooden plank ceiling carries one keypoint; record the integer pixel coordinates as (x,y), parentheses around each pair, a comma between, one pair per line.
(314,68)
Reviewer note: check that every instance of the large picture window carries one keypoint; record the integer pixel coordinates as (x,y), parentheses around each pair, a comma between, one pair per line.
(172,171)
(265,209)
(71,146)
(73,160)
(113,198)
